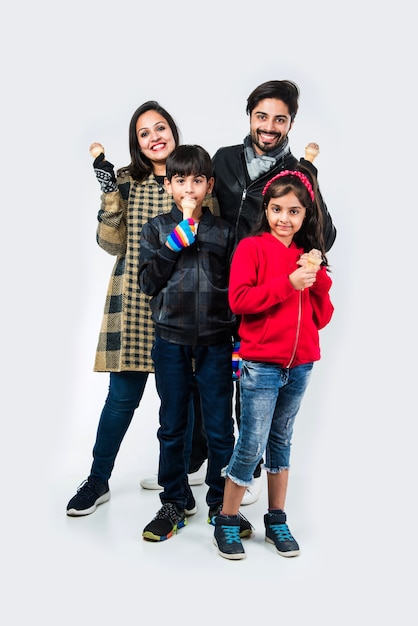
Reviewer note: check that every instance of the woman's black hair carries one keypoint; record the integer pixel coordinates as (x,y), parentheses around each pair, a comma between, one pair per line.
(140,166)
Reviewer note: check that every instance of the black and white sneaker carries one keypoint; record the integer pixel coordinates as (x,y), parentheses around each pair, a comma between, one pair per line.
(165,524)
(90,494)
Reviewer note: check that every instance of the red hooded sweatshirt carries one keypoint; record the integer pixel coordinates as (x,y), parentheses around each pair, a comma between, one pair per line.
(278,323)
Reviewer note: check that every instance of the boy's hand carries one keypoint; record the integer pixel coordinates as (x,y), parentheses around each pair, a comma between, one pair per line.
(182,236)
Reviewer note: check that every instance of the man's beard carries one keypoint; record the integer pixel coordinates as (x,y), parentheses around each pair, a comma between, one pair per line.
(271,147)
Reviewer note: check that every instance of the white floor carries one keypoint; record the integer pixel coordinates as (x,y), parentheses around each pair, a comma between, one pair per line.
(356,564)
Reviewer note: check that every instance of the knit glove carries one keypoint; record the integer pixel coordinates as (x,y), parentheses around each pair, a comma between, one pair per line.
(183,235)
(105,174)
(236,361)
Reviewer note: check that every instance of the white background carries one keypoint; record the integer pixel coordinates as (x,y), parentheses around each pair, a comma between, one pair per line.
(74,73)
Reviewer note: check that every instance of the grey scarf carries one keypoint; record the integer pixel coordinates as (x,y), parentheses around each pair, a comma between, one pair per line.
(259,165)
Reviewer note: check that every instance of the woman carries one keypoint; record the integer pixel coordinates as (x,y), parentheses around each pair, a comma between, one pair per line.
(128,200)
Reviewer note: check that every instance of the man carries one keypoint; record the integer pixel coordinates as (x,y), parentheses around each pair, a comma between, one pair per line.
(241,171)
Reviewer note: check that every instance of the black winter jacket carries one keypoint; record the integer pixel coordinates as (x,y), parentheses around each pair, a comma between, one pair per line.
(240,198)
(189,288)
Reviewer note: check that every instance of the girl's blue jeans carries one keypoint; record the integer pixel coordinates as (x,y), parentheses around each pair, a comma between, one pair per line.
(270,400)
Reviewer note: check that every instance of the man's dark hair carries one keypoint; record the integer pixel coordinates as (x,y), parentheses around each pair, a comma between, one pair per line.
(285,90)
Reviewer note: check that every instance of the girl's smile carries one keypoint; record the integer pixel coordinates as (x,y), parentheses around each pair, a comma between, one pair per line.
(285,216)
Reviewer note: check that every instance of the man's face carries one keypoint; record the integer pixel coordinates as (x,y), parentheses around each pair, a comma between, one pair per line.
(269,125)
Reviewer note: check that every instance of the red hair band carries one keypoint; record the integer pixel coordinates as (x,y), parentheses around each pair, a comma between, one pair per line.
(299,175)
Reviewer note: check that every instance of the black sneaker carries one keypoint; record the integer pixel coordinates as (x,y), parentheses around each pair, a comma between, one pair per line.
(245,528)
(167,522)
(278,533)
(90,494)
(227,537)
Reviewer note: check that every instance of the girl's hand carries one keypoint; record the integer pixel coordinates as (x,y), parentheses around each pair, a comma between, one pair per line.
(302,278)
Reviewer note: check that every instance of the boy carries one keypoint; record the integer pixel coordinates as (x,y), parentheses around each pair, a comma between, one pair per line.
(184,266)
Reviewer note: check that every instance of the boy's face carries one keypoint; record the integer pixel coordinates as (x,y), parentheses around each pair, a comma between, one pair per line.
(194,187)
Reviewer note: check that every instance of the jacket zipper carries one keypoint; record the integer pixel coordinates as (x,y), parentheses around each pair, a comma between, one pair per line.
(297,331)
(243,196)
(197,290)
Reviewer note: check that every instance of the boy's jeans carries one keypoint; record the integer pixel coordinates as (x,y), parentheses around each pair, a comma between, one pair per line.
(174,378)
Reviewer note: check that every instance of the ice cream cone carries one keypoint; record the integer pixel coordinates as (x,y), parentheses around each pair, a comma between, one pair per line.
(311,152)
(188,204)
(314,258)
(96,149)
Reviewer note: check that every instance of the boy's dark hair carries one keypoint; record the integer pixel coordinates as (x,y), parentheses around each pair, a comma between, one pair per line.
(285,90)
(189,160)
(140,166)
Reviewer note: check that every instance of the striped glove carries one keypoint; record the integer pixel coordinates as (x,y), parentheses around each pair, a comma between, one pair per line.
(182,236)
(236,361)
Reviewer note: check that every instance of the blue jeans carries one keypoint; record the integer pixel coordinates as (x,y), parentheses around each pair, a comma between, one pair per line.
(125,393)
(270,400)
(174,366)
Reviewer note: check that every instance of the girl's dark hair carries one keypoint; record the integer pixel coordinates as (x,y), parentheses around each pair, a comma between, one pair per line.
(285,90)
(311,234)
(187,160)
(140,166)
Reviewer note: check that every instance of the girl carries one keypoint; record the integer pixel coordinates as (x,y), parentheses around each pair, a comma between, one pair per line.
(283,303)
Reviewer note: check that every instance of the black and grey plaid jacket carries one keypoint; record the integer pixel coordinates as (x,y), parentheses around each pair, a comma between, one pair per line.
(189,288)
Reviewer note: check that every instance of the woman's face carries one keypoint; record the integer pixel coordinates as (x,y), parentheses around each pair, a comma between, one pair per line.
(155,139)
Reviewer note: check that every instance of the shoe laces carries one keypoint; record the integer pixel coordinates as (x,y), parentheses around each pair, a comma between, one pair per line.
(168,510)
(282,532)
(231,534)
(87,487)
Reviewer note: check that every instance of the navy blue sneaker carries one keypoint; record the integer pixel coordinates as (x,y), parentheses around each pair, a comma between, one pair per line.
(90,494)
(245,527)
(165,524)
(226,537)
(278,533)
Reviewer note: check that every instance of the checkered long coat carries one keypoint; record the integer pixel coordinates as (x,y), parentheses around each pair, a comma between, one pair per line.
(127,331)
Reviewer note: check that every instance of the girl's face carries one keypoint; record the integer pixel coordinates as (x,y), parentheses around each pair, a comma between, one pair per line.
(155,139)
(285,216)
